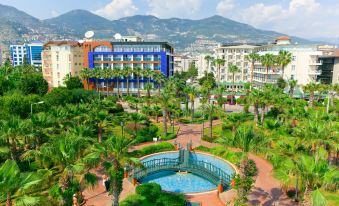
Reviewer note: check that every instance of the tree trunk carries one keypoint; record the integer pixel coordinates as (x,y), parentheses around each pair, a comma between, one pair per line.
(203,126)
(116,181)
(282,71)
(256,114)
(192,108)
(9,200)
(99,134)
(107,87)
(266,81)
(87,80)
(211,128)
(164,113)
(252,73)
(311,98)
(118,86)
(127,86)
(262,114)
(138,79)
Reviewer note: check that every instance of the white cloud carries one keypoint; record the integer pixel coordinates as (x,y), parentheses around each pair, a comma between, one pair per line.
(305,18)
(179,8)
(117,9)
(225,6)
(54,13)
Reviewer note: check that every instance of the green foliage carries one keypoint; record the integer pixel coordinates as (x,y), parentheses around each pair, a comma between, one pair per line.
(73,82)
(171,199)
(146,134)
(159,147)
(63,96)
(33,84)
(151,191)
(250,169)
(134,200)
(18,104)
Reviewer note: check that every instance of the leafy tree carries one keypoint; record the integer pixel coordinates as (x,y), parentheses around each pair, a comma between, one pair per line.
(219,62)
(33,84)
(13,182)
(311,87)
(268,60)
(284,58)
(292,84)
(252,57)
(73,82)
(192,72)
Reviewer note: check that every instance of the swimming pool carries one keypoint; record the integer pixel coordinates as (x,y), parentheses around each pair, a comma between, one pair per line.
(185,182)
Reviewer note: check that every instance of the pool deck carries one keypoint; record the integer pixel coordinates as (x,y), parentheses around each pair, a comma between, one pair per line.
(266,190)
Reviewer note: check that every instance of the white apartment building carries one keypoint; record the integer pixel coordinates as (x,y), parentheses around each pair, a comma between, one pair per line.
(60,59)
(18,54)
(303,68)
(181,63)
(235,54)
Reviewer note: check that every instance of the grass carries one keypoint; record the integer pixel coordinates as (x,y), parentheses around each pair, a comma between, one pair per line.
(117,130)
(169,131)
(216,132)
(331,197)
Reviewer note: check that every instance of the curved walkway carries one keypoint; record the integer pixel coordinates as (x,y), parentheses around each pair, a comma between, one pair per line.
(266,190)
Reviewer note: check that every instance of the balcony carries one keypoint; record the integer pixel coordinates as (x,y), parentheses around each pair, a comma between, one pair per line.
(147,59)
(314,72)
(316,63)
(137,58)
(157,59)
(127,59)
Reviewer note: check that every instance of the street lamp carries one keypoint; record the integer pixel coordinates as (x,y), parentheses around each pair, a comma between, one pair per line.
(35,104)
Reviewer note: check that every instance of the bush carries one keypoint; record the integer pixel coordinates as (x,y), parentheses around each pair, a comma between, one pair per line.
(160,147)
(33,84)
(73,82)
(169,136)
(146,134)
(133,200)
(151,191)
(63,96)
(251,169)
(171,199)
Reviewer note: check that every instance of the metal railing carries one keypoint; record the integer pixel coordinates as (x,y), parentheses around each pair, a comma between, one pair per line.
(201,168)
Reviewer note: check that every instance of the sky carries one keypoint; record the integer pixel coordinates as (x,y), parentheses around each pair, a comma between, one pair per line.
(304,18)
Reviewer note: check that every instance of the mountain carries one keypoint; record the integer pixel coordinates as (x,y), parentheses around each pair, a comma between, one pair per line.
(18,26)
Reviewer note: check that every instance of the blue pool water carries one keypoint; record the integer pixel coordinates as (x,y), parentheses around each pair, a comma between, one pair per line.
(185,183)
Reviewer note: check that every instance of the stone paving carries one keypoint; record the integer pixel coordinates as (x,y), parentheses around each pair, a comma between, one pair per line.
(266,190)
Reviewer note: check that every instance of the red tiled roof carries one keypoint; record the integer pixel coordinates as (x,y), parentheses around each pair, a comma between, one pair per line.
(284,38)
(62,42)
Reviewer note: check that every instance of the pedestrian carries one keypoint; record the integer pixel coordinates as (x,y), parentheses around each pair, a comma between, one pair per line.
(106,183)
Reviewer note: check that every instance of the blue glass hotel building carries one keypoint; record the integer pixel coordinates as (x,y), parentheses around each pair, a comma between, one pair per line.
(157,56)
(26,52)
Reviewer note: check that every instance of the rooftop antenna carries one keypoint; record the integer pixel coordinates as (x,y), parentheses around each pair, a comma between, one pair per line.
(117,36)
(89,35)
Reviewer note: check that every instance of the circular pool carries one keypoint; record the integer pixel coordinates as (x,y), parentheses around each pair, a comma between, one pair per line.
(174,181)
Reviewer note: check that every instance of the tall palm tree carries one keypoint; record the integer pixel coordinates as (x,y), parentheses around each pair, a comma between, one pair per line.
(254,98)
(160,79)
(209,59)
(85,74)
(284,58)
(192,93)
(106,74)
(165,102)
(148,88)
(219,62)
(137,118)
(311,87)
(148,73)
(268,60)
(137,72)
(233,69)
(292,84)
(119,73)
(127,74)
(97,74)
(252,57)
(14,182)
(210,110)
(114,73)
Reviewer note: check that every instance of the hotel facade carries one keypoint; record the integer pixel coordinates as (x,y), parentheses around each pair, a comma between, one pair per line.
(26,52)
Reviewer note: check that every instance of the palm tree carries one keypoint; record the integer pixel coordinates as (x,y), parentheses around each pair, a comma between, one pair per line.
(85,74)
(268,60)
(137,118)
(233,69)
(219,62)
(209,59)
(292,83)
(119,73)
(283,59)
(149,74)
(160,79)
(254,98)
(127,74)
(252,57)
(101,120)
(210,110)
(311,87)
(97,74)
(165,101)
(192,93)
(106,74)
(13,181)
(137,73)
(148,88)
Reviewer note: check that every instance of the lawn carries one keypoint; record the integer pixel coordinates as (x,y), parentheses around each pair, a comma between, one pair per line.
(216,132)
(331,197)
(170,135)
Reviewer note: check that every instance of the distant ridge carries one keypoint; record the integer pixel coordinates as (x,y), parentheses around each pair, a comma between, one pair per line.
(18,26)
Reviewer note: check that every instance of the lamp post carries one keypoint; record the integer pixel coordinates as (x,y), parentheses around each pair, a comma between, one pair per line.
(35,104)
(122,124)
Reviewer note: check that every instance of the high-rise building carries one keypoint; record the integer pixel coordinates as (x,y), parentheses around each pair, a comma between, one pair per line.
(304,66)
(31,53)
(330,67)
(182,63)
(234,54)
(59,59)
(157,56)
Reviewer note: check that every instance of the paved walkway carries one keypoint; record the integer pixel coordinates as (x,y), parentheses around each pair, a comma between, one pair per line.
(266,190)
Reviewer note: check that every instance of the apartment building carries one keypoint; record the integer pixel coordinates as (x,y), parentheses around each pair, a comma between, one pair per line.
(59,59)
(157,56)
(330,67)
(304,66)
(235,54)
(181,63)
(26,52)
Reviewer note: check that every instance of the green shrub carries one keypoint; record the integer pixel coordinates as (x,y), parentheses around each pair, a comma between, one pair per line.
(251,169)
(171,199)
(159,147)
(169,136)
(151,191)
(133,200)
(146,134)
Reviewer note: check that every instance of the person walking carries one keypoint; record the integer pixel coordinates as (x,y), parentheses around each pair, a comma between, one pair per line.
(105,182)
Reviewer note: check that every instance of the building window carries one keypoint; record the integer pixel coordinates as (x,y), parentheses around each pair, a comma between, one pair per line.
(294,58)
(293,68)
